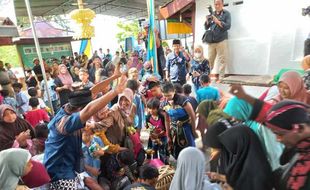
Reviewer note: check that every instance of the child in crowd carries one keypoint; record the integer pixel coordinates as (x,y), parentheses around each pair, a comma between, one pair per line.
(206,92)
(33,93)
(187,90)
(92,150)
(155,122)
(52,92)
(36,115)
(41,133)
(31,80)
(9,100)
(306,67)
(146,71)
(21,99)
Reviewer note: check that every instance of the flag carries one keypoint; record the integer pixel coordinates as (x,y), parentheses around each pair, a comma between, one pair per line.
(151,46)
(86,48)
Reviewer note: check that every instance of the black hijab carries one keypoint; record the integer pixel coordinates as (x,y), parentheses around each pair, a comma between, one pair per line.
(244,161)
(8,131)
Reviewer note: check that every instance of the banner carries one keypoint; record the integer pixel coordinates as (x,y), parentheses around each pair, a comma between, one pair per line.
(151,46)
(86,48)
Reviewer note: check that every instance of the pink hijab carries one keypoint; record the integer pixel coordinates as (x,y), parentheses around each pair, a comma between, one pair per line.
(66,78)
(128,94)
(297,87)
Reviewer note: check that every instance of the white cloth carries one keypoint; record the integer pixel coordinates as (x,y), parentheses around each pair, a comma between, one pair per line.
(190,172)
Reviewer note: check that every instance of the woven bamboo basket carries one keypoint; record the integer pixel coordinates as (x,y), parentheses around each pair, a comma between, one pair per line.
(166,174)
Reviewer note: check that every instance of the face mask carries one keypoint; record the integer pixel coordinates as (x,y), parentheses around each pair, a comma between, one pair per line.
(197,55)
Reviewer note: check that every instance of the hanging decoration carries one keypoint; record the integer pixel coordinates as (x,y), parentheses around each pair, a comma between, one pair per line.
(84,17)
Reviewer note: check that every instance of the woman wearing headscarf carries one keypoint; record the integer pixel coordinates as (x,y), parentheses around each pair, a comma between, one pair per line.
(290,121)
(14,163)
(63,84)
(199,66)
(14,131)
(121,115)
(190,172)
(291,86)
(242,157)
(241,110)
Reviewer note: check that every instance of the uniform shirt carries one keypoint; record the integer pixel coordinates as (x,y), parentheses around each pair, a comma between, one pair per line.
(51,89)
(22,102)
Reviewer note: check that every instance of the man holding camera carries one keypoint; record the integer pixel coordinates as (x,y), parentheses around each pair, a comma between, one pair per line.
(217,25)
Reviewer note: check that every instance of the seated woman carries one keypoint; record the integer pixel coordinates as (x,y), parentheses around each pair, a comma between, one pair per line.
(291,86)
(14,131)
(242,158)
(190,172)
(14,163)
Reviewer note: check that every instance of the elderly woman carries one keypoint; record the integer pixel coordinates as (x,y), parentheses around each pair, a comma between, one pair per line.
(199,66)
(14,163)
(120,116)
(14,131)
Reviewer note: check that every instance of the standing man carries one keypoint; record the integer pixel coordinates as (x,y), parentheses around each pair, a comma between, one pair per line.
(219,23)
(5,81)
(37,69)
(176,64)
(11,74)
(108,55)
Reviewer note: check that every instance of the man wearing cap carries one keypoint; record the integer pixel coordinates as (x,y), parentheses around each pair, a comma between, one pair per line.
(290,122)
(63,145)
(84,77)
(176,64)
(37,69)
(161,60)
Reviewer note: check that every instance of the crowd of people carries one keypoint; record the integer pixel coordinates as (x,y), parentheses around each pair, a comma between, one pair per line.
(81,128)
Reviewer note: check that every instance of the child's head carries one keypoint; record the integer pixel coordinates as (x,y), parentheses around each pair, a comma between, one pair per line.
(5,93)
(33,102)
(17,87)
(153,106)
(168,90)
(83,75)
(125,158)
(86,136)
(154,88)
(32,91)
(41,130)
(133,74)
(204,80)
(133,85)
(149,174)
(305,64)
(187,89)
(28,72)
(178,88)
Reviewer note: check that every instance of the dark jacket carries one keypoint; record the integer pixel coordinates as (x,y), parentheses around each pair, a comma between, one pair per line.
(220,34)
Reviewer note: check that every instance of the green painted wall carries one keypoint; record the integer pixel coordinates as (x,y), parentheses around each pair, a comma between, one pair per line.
(55,50)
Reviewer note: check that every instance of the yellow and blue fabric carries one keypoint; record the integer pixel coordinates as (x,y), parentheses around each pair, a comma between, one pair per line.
(151,46)
(241,110)
(85,47)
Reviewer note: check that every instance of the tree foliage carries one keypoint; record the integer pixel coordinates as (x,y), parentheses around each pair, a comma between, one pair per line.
(127,29)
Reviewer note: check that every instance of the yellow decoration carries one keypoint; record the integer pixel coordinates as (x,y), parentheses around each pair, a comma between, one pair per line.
(84,17)
(178,28)
(112,148)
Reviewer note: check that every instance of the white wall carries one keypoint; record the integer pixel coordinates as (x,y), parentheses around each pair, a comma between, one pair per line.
(265,35)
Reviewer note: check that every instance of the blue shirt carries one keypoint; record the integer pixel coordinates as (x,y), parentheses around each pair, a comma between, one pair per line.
(176,67)
(22,102)
(139,117)
(207,93)
(63,147)
(88,157)
(10,101)
(51,89)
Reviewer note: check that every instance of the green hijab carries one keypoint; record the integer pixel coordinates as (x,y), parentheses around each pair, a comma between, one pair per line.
(215,116)
(205,107)
(242,110)
(12,165)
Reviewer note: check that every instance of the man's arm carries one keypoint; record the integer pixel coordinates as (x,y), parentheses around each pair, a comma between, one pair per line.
(167,69)
(189,109)
(95,105)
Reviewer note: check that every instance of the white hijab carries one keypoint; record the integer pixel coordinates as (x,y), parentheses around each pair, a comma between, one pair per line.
(190,172)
